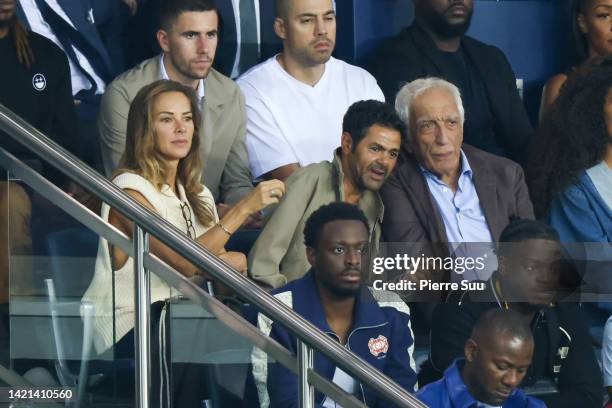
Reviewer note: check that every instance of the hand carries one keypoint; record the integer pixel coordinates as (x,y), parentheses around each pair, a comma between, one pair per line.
(236,260)
(266,193)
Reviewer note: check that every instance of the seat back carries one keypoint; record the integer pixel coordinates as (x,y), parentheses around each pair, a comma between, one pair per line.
(66,377)
(72,254)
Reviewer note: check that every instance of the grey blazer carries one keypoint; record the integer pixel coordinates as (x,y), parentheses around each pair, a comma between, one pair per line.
(226,165)
(411,213)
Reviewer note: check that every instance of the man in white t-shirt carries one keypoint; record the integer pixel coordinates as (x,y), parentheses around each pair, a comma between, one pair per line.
(295,100)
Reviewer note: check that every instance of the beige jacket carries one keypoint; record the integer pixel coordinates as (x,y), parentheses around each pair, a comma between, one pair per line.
(279,254)
(226,164)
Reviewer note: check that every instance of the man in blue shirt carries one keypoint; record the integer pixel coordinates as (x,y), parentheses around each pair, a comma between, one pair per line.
(446,198)
(375,325)
(497,356)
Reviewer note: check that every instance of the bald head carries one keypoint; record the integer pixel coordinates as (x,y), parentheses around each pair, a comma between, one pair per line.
(497,356)
(283,8)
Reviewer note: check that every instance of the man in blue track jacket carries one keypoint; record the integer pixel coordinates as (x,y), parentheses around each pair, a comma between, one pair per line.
(374,325)
(497,356)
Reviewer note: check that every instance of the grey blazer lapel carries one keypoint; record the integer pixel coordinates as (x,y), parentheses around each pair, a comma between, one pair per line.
(211,112)
(486,189)
(428,207)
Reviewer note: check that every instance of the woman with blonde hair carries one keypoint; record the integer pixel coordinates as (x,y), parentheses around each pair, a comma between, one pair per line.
(161,168)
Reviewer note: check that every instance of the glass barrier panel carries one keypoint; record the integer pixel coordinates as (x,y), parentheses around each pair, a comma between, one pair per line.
(55,338)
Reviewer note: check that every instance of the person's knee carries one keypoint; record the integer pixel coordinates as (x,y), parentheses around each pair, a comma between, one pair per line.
(14,200)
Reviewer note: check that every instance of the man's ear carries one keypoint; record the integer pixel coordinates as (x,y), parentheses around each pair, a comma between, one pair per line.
(346,142)
(311,255)
(582,23)
(279,28)
(470,349)
(163,40)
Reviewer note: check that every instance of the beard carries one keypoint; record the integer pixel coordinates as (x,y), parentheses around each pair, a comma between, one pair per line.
(441,26)
(7,22)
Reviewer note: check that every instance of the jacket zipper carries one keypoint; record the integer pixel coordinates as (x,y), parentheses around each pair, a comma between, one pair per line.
(348,346)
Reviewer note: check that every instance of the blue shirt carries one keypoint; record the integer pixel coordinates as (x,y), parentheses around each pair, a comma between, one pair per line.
(451,392)
(466,227)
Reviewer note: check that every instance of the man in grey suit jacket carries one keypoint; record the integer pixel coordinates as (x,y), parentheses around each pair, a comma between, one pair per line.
(447,199)
(188,37)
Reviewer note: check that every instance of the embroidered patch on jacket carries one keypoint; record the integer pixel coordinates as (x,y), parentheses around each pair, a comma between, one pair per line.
(378,345)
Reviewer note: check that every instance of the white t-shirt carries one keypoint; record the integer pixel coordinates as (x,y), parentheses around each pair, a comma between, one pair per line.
(289,121)
(344,381)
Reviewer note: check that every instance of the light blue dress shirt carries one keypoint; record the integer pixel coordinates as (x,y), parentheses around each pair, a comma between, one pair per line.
(467,230)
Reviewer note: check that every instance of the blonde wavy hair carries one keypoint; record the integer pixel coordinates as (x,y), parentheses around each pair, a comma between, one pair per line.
(142,157)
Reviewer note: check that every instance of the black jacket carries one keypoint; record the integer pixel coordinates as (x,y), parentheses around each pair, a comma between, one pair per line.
(563,351)
(412,54)
(50,108)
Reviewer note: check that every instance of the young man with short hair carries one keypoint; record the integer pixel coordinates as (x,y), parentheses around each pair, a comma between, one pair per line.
(375,325)
(188,37)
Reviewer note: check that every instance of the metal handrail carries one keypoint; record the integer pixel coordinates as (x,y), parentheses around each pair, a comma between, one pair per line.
(152,224)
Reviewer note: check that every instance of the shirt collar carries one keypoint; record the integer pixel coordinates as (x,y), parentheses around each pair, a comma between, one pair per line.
(466,170)
(164,75)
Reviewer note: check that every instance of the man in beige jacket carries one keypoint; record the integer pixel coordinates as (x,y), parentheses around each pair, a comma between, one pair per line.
(370,143)
(188,37)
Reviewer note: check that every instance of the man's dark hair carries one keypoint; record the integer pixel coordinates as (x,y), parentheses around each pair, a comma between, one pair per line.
(282,8)
(169,10)
(522,230)
(334,211)
(361,115)
(500,321)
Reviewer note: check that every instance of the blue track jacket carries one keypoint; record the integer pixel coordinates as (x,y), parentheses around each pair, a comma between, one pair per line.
(451,392)
(381,335)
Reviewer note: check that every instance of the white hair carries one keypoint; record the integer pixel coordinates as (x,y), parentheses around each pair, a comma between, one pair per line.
(409,92)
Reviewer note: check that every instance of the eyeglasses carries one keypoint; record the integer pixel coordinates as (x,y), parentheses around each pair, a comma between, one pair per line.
(186,210)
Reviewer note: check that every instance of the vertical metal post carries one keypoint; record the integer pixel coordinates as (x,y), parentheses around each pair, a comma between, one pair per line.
(142,324)
(305,363)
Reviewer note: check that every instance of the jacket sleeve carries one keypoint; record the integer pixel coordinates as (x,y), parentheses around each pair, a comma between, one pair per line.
(400,365)
(571,215)
(112,126)
(276,385)
(580,380)
(236,178)
(276,237)
(524,207)
(400,223)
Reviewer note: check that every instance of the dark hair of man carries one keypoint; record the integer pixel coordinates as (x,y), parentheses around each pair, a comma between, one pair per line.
(361,115)
(572,137)
(522,230)
(170,10)
(325,214)
(19,35)
(495,322)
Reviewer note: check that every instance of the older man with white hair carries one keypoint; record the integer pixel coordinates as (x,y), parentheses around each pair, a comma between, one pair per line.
(448,199)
